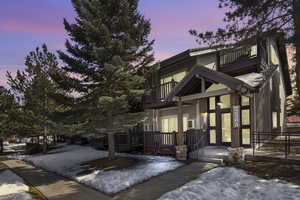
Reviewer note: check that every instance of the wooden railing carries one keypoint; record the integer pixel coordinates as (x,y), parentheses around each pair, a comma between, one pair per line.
(166,88)
(231,56)
(162,143)
(159,93)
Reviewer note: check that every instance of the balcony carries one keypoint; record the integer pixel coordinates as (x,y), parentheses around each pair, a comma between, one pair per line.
(157,95)
(240,60)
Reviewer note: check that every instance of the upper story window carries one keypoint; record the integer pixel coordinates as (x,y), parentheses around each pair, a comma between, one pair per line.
(176,77)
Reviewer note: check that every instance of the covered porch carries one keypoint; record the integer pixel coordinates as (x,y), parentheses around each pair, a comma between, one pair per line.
(223,107)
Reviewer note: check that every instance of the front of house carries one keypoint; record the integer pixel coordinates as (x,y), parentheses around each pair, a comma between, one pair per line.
(228,94)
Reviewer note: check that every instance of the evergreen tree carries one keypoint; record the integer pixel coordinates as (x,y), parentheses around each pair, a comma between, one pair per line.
(107,55)
(33,88)
(5,101)
(246,19)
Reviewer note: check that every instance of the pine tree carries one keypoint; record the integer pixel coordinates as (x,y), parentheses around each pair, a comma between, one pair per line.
(9,109)
(33,88)
(109,49)
(246,19)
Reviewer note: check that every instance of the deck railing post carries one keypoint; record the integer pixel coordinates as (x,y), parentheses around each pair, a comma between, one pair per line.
(253,143)
(286,145)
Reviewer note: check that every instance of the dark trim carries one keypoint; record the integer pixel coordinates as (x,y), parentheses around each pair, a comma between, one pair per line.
(284,66)
(211,76)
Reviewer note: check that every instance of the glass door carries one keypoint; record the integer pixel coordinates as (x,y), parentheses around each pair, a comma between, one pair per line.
(226,128)
(220,120)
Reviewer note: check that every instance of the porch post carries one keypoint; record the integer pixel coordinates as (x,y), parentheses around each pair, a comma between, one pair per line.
(235,130)
(180,123)
(198,115)
(181,149)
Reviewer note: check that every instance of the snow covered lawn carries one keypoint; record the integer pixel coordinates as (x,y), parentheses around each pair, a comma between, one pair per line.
(68,159)
(228,183)
(12,187)
(11,147)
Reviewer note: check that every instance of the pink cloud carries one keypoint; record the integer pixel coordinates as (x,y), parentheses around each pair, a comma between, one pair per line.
(175,26)
(24,26)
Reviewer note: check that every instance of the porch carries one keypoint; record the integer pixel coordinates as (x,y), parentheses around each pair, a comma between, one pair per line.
(212,103)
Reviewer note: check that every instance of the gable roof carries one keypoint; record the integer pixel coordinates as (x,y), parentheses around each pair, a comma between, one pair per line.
(193,81)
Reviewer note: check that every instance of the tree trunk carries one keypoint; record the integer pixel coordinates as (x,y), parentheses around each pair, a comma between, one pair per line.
(45,140)
(1,146)
(111,138)
(297,41)
(111,146)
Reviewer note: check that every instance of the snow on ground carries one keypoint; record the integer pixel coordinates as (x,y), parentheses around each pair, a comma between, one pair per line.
(228,183)
(12,187)
(68,159)
(11,147)
(214,151)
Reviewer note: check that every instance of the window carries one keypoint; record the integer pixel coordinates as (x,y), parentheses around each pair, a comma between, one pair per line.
(254,50)
(225,101)
(212,119)
(212,103)
(246,136)
(274,120)
(246,117)
(245,101)
(212,137)
(170,124)
(226,127)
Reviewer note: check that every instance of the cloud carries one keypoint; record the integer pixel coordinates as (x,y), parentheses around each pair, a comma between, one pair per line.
(24,26)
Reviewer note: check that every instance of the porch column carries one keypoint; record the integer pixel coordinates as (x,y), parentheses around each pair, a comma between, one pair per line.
(203,113)
(181,149)
(198,115)
(180,139)
(236,120)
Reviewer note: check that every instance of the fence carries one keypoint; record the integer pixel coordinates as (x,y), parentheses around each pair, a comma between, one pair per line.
(165,143)
(195,140)
(286,143)
(160,143)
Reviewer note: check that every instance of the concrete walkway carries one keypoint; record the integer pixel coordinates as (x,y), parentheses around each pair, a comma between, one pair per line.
(53,186)
(157,186)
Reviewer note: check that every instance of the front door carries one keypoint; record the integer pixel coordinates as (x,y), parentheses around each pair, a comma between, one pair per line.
(219,120)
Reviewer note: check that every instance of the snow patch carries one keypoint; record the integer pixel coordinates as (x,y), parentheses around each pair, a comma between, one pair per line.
(68,161)
(233,184)
(12,187)
(252,79)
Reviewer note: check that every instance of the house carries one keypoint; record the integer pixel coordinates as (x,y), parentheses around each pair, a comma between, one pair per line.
(228,94)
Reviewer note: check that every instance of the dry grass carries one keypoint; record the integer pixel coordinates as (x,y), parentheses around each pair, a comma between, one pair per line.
(107,164)
(36,193)
(270,170)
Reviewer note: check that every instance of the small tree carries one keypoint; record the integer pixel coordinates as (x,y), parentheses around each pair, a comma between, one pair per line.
(109,46)
(33,88)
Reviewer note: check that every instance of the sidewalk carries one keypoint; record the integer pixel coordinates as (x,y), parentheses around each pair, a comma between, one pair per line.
(53,186)
(157,186)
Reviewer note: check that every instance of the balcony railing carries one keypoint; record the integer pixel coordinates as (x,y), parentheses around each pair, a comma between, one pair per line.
(159,93)
(165,89)
(232,56)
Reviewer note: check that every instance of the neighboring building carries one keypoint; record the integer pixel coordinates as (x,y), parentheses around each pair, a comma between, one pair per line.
(227,93)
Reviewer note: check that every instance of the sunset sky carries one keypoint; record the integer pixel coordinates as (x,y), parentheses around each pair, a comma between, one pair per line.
(26,24)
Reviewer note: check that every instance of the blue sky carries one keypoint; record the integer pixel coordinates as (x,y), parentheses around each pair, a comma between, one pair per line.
(26,24)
